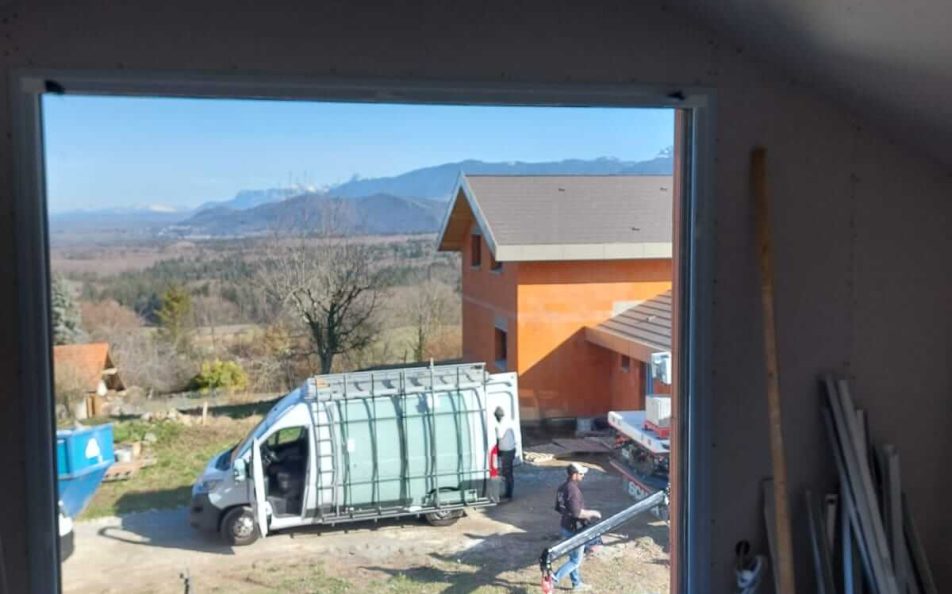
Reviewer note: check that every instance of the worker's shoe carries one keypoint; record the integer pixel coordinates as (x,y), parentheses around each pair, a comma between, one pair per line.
(581,587)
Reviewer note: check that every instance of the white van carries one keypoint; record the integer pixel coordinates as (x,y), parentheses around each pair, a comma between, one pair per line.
(362,446)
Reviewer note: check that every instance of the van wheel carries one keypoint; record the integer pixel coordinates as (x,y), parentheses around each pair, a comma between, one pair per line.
(444,517)
(238,527)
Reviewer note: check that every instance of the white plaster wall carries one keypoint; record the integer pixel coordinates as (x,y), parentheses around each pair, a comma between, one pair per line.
(861,226)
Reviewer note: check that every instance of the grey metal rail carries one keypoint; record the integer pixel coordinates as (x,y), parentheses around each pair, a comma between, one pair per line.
(552,553)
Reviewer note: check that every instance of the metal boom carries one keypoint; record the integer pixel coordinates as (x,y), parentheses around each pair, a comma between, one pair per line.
(552,553)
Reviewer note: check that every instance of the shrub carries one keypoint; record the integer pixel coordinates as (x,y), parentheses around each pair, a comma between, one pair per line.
(220,375)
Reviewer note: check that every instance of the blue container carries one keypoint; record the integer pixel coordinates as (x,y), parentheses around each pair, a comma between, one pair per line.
(82,457)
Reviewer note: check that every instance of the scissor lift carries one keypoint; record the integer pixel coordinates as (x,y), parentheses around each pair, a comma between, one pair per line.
(642,456)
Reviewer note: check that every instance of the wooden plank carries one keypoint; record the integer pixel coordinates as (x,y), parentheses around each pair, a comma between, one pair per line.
(770,514)
(784,565)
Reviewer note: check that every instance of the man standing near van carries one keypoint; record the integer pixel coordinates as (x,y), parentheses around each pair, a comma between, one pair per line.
(506,442)
(570,503)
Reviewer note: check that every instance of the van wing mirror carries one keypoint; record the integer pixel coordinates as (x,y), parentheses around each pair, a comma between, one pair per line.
(240,469)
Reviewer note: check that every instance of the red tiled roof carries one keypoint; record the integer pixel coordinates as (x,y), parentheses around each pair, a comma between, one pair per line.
(90,362)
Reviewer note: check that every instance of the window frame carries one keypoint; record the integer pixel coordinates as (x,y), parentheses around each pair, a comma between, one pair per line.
(695,106)
(476,251)
(501,343)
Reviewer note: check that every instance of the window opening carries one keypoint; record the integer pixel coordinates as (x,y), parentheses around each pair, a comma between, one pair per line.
(199,333)
(476,255)
(502,348)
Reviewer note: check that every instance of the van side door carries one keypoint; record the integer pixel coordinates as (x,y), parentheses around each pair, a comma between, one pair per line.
(258,503)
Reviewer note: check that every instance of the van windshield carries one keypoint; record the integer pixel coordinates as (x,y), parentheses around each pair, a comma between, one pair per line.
(261,428)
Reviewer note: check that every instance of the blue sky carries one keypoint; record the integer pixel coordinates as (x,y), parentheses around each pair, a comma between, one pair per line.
(104,152)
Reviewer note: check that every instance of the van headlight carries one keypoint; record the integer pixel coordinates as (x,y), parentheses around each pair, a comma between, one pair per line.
(206,486)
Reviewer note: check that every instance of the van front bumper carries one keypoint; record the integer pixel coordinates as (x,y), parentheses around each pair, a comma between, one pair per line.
(202,514)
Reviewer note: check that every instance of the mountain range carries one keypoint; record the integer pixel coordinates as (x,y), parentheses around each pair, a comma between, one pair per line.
(412,202)
(379,214)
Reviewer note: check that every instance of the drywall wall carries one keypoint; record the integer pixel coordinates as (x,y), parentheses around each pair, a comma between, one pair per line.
(861,226)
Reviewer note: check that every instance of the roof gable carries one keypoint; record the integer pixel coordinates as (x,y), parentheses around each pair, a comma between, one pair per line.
(90,363)
(563,217)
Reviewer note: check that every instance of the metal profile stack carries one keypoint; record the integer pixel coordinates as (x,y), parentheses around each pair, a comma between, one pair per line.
(878,545)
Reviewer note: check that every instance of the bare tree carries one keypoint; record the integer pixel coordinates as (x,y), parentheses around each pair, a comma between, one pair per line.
(331,286)
(427,309)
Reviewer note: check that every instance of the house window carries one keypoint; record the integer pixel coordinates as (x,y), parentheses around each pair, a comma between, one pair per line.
(494,265)
(476,256)
(501,348)
(625,363)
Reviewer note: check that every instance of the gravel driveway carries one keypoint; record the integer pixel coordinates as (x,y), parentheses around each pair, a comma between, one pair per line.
(492,550)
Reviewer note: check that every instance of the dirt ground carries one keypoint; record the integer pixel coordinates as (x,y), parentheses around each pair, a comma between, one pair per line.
(492,550)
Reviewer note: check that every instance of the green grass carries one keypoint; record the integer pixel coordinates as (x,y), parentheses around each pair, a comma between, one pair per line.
(181,452)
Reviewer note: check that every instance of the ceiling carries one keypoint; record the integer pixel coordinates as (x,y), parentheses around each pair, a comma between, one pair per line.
(888,60)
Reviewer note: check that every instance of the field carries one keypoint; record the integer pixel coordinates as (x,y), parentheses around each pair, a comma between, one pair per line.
(180,451)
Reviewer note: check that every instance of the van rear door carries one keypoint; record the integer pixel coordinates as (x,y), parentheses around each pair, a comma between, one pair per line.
(258,503)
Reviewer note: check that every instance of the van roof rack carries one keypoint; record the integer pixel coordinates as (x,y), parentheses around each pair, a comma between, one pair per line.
(390,382)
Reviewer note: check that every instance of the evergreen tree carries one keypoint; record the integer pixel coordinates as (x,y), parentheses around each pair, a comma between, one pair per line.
(174,315)
(67,323)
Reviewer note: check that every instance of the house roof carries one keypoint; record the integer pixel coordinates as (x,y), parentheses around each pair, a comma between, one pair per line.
(90,363)
(563,217)
(638,331)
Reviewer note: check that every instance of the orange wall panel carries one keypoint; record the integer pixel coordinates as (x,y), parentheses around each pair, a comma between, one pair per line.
(545,307)
(561,374)
(489,299)
(627,387)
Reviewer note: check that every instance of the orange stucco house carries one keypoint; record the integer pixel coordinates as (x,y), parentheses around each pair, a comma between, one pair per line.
(548,263)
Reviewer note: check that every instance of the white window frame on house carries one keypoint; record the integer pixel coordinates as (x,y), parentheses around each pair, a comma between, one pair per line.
(694,236)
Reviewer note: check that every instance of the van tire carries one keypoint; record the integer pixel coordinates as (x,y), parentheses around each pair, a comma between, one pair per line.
(444,518)
(235,529)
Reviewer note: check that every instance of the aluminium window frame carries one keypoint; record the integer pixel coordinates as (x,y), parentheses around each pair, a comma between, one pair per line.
(693,295)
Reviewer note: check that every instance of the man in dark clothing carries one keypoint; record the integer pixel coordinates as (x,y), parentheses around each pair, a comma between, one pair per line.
(506,441)
(570,503)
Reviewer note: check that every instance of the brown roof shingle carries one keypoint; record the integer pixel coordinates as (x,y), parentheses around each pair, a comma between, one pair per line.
(564,217)
(638,331)
(89,362)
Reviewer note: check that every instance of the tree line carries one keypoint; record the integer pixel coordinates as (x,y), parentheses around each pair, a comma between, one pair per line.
(306,305)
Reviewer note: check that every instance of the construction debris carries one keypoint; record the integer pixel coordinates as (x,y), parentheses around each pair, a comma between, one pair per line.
(121,471)
(876,526)
(559,448)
